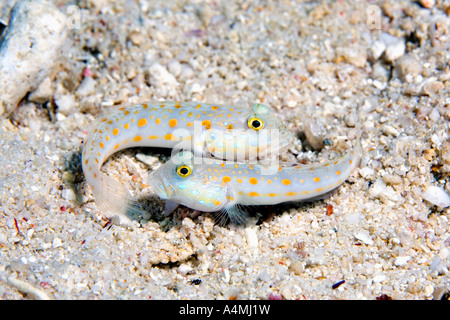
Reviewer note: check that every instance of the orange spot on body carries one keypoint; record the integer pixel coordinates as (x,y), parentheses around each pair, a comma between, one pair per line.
(214,108)
(102,145)
(137,138)
(169,136)
(338,172)
(316,179)
(226,179)
(239,180)
(116,147)
(153,137)
(253,180)
(157,120)
(253,194)
(272,194)
(290,193)
(269,181)
(142,122)
(173,122)
(207,124)
(286,182)
(126,126)
(115,131)
(126,112)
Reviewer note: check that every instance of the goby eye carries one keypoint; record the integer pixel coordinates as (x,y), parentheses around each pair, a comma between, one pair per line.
(255,123)
(184,171)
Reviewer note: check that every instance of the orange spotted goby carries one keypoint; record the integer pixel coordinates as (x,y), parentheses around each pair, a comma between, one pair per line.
(225,132)
(212,185)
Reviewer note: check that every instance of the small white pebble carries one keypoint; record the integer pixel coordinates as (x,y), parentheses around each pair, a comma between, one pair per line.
(395,50)
(226,276)
(264,276)
(364,237)
(56,243)
(379,278)
(148,160)
(184,269)
(402,260)
(436,196)
(428,291)
(252,237)
(86,87)
(377,49)
(367,172)
(68,194)
(436,140)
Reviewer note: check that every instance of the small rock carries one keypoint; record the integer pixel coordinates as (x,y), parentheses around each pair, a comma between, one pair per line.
(379,278)
(151,161)
(68,194)
(315,133)
(432,88)
(252,237)
(184,269)
(66,103)
(264,276)
(427,3)
(29,49)
(136,37)
(377,49)
(159,75)
(354,56)
(428,291)
(68,177)
(436,196)
(86,87)
(401,261)
(408,65)
(56,243)
(390,131)
(297,268)
(364,237)
(43,93)
(395,51)
(392,179)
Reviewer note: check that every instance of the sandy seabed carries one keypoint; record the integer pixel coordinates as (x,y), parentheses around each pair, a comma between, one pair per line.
(382,234)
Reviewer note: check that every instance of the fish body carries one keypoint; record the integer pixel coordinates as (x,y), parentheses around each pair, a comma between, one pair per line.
(212,185)
(227,132)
